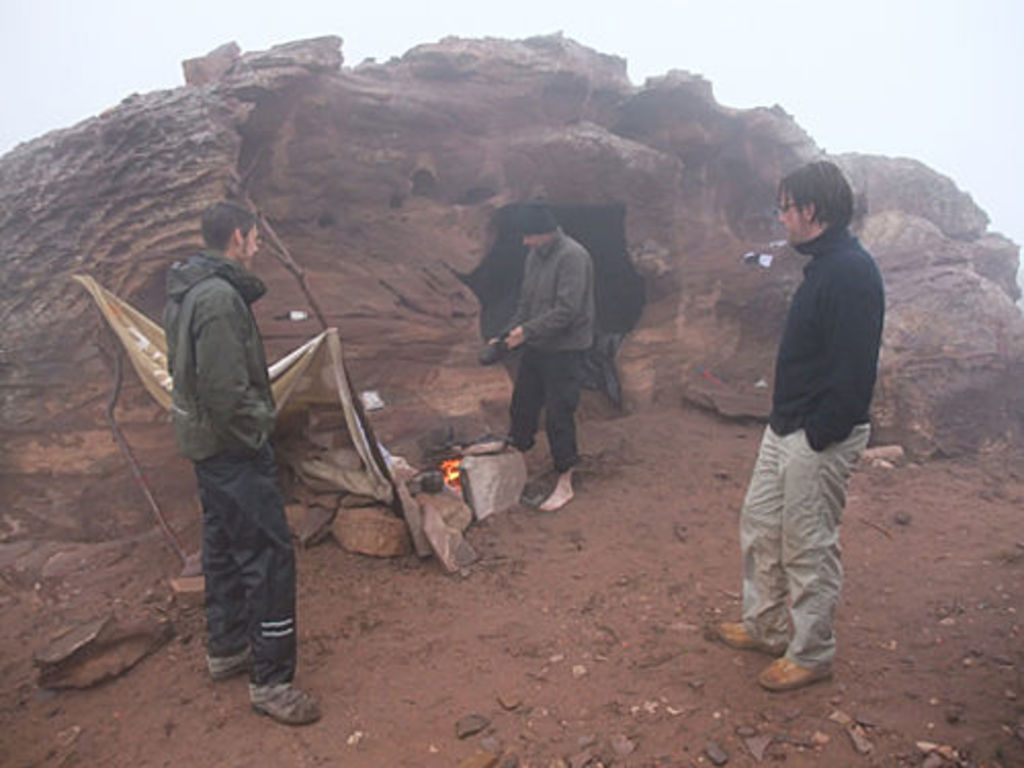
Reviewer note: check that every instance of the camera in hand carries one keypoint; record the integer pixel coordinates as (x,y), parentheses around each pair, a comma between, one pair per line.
(493,352)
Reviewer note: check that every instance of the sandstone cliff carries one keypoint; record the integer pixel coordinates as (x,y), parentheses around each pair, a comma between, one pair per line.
(390,184)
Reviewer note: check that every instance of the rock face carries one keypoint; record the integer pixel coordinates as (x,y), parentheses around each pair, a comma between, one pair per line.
(949,381)
(391,184)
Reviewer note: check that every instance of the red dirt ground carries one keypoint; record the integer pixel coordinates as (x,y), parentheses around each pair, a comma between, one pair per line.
(590,618)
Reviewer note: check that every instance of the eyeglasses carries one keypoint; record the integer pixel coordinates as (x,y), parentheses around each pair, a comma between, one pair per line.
(784,207)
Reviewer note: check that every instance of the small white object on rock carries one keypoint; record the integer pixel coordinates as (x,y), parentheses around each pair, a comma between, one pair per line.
(372,401)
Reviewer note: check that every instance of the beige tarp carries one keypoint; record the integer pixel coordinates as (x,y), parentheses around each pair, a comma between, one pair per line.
(308,381)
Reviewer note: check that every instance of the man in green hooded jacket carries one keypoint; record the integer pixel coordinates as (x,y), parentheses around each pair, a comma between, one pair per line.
(223,413)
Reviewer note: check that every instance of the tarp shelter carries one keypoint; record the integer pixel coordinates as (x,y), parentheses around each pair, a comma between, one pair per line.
(326,439)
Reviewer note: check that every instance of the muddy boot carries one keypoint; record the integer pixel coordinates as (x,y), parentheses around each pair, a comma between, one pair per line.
(284,703)
(735,635)
(224,667)
(786,675)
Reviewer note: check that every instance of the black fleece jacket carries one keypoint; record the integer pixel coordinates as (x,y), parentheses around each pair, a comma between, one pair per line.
(828,357)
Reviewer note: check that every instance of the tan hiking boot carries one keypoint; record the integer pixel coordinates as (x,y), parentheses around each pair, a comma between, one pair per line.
(225,667)
(735,635)
(284,703)
(785,675)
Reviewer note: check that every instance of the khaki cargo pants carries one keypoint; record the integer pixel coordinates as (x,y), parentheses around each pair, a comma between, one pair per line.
(789,535)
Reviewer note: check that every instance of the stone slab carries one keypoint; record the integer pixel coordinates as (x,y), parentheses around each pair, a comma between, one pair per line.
(891,453)
(315,525)
(401,473)
(98,650)
(493,483)
(295,514)
(480,760)
(445,539)
(449,507)
(189,591)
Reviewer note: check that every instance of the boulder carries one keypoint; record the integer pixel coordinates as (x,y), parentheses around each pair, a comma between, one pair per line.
(374,531)
(213,66)
(907,185)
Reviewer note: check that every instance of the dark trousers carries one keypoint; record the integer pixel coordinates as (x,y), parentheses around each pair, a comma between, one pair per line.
(248,562)
(548,380)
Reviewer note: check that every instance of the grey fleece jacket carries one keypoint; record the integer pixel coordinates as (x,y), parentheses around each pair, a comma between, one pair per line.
(556,302)
(222,395)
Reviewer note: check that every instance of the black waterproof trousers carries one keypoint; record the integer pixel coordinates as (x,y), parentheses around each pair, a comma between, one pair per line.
(248,562)
(548,379)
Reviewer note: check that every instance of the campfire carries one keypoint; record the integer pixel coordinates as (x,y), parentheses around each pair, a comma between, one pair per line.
(456,463)
(452,473)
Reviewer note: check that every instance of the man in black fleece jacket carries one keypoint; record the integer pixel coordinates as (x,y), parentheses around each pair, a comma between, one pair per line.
(824,377)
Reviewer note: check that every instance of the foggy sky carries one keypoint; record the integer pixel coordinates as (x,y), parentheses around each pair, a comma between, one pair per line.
(936,80)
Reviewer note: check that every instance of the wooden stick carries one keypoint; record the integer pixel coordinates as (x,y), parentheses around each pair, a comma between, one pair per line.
(289,263)
(129,457)
(280,250)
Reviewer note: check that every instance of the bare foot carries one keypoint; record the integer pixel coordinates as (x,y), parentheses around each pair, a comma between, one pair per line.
(562,494)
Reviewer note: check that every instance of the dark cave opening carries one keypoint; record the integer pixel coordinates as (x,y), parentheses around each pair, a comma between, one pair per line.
(619,291)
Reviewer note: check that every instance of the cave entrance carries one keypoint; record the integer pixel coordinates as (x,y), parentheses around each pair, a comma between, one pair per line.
(619,292)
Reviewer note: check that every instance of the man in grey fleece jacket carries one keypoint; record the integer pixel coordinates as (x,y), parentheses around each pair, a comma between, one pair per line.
(554,323)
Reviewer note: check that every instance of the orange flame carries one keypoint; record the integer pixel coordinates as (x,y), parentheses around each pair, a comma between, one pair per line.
(452,476)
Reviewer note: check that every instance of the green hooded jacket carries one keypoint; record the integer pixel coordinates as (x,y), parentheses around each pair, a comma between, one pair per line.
(222,398)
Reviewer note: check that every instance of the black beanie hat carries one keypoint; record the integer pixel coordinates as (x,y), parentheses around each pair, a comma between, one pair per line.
(536,219)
